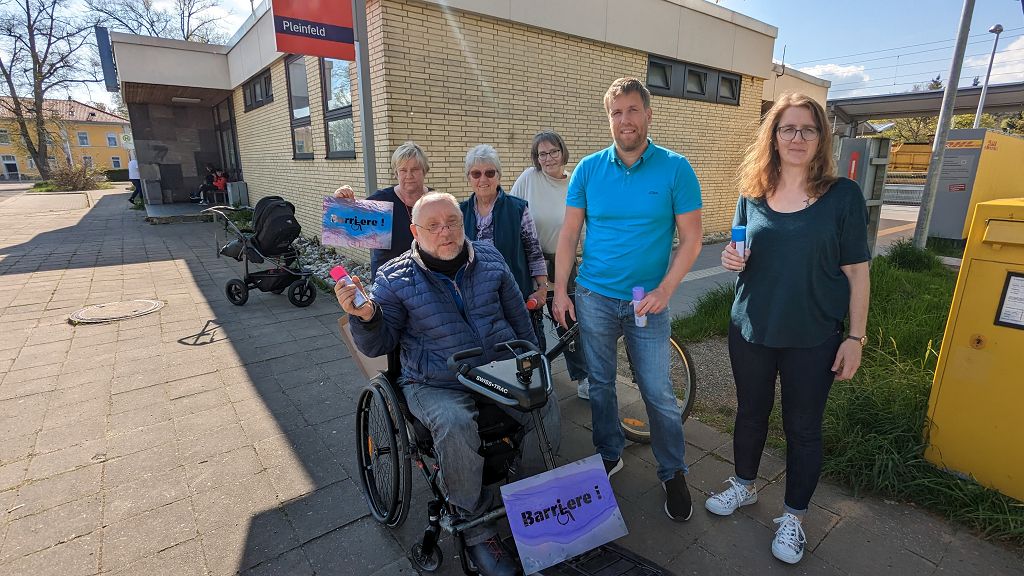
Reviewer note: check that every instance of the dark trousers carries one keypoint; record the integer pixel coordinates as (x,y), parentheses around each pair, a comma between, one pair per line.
(138,189)
(806,377)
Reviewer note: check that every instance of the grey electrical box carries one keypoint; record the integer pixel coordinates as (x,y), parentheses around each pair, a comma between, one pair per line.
(865,161)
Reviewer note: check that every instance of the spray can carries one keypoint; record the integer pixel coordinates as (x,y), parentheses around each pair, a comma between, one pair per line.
(739,237)
(341,276)
(638,295)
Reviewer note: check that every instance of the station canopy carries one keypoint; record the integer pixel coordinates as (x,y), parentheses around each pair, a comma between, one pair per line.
(858,109)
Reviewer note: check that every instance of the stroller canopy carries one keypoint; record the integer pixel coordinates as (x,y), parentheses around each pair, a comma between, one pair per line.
(274,225)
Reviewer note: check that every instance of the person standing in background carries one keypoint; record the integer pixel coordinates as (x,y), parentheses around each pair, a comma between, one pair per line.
(410,166)
(544,187)
(133,177)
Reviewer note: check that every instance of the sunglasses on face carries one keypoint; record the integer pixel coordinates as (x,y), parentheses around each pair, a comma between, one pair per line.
(476,174)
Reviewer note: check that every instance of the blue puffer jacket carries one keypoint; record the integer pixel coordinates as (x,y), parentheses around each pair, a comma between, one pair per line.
(417,309)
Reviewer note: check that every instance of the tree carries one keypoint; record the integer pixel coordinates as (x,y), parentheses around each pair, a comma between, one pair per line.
(967,121)
(1014,124)
(191,20)
(936,83)
(917,129)
(41,55)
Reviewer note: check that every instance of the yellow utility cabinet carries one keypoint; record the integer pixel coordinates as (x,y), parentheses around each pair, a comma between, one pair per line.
(975,425)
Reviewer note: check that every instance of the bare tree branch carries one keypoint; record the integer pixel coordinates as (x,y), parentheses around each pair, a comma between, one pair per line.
(41,51)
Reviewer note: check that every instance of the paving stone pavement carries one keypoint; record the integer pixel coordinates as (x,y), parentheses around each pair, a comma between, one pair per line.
(214,439)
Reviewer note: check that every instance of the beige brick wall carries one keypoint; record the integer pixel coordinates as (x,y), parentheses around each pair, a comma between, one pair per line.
(456,79)
(450,80)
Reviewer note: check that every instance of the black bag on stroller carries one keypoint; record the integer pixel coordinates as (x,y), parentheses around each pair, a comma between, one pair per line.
(275,224)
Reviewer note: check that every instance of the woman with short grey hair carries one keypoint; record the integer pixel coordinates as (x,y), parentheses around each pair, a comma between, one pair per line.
(410,165)
(491,214)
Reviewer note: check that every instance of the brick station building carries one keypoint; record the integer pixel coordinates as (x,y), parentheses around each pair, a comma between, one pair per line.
(450,74)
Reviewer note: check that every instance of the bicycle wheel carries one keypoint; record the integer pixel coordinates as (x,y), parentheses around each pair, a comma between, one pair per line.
(384,467)
(632,410)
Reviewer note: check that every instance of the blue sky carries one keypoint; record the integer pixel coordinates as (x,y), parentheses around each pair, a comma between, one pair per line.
(829,39)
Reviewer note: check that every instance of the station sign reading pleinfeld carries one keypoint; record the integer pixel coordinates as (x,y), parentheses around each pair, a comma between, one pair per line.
(315,28)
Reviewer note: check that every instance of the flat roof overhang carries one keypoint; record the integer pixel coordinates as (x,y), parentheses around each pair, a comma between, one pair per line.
(1000,98)
(163,94)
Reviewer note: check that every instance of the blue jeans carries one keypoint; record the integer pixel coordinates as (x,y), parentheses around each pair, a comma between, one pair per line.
(602,321)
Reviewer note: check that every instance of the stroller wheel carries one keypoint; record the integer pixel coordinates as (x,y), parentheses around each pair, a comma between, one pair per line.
(301,293)
(236,291)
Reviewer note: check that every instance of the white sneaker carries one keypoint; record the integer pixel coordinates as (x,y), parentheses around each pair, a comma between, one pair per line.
(789,541)
(583,389)
(725,503)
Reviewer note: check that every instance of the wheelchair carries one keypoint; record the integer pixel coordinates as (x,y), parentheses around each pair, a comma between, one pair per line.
(390,439)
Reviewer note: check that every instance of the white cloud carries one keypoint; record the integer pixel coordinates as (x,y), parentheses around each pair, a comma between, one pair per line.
(851,72)
(1008,65)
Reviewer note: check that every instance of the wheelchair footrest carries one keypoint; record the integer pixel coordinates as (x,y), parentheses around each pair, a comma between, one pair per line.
(607,560)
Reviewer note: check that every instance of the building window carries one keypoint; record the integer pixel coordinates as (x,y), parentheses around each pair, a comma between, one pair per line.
(338,127)
(87,161)
(83,138)
(258,91)
(111,139)
(115,161)
(298,106)
(728,89)
(5,137)
(676,79)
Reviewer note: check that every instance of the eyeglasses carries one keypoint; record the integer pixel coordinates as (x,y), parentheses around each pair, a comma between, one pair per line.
(788,133)
(438,228)
(476,174)
(551,154)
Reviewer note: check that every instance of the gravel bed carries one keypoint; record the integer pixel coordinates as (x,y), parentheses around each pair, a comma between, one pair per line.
(716,391)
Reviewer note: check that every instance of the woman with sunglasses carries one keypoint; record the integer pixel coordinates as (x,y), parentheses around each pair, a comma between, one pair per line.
(544,187)
(490,214)
(803,274)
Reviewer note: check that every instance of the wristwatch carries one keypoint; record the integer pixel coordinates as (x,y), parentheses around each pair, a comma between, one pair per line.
(862,339)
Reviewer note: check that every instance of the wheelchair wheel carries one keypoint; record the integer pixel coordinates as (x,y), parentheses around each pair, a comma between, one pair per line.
(385,473)
(426,563)
(632,410)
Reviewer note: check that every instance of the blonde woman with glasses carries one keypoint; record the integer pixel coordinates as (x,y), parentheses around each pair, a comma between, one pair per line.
(801,307)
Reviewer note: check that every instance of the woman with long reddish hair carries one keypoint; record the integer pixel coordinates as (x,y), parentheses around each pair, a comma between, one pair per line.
(803,274)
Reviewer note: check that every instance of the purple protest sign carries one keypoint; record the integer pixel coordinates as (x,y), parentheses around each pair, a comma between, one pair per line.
(562,513)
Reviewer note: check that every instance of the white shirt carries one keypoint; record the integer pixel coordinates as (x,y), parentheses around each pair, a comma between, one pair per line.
(546,197)
(133,169)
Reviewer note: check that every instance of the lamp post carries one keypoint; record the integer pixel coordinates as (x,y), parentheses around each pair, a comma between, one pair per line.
(997,30)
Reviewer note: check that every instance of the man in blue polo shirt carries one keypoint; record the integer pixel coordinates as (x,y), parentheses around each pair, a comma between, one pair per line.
(632,196)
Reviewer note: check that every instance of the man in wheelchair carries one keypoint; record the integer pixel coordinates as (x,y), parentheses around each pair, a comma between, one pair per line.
(445,295)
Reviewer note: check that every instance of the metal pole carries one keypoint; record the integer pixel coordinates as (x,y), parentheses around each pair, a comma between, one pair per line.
(942,134)
(997,29)
(365,105)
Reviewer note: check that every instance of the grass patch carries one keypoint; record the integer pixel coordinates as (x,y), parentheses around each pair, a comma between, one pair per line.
(874,424)
(710,316)
(43,186)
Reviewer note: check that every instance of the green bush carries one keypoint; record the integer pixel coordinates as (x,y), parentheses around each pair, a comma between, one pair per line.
(68,177)
(116,175)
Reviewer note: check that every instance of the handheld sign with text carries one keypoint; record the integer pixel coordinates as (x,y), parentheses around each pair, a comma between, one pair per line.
(315,27)
(562,513)
(357,223)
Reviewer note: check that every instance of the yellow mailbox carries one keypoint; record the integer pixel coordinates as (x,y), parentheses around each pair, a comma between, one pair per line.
(977,396)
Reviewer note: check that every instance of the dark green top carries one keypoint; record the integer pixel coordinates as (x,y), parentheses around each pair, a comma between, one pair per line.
(792,293)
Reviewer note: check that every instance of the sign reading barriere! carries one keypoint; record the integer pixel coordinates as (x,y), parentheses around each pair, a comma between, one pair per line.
(315,28)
